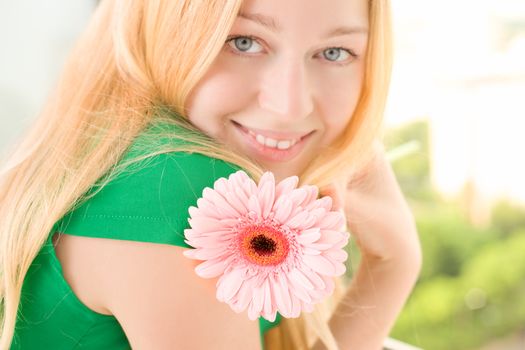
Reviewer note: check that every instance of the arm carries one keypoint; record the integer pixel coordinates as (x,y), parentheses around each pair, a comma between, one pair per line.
(384,228)
(363,319)
(155,294)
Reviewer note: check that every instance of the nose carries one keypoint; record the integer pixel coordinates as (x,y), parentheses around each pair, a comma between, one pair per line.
(285,90)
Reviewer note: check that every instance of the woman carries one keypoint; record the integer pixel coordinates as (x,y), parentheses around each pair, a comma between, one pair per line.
(121,151)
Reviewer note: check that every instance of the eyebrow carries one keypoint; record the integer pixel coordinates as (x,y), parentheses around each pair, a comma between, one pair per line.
(274,26)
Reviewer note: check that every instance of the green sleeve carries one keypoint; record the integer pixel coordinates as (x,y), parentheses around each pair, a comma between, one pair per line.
(149,203)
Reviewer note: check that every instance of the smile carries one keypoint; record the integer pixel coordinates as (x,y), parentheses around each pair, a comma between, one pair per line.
(272,146)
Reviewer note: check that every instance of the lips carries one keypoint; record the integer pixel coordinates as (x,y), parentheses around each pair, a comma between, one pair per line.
(274,134)
(272,146)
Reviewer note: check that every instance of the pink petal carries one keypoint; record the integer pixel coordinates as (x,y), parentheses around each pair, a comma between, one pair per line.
(324,202)
(266,193)
(222,185)
(205,224)
(311,195)
(210,268)
(255,307)
(249,187)
(282,208)
(286,186)
(340,269)
(268,307)
(330,236)
(221,204)
(309,222)
(310,251)
(244,295)
(296,307)
(206,208)
(225,234)
(332,220)
(281,295)
(309,236)
(229,284)
(210,241)
(208,253)
(243,197)
(313,277)
(320,246)
(298,195)
(253,206)
(320,264)
(298,291)
(337,254)
(238,178)
(318,213)
(296,275)
(330,284)
(237,203)
(298,220)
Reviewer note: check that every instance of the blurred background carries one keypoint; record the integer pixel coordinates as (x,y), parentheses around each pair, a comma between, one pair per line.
(455,126)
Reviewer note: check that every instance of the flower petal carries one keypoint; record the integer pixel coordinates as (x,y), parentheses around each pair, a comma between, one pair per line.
(337,254)
(210,268)
(309,236)
(205,224)
(281,294)
(324,202)
(313,277)
(255,307)
(254,206)
(229,284)
(298,220)
(266,193)
(333,220)
(298,196)
(237,202)
(320,264)
(268,307)
(208,253)
(205,208)
(221,204)
(282,208)
(330,236)
(297,276)
(286,186)
(244,295)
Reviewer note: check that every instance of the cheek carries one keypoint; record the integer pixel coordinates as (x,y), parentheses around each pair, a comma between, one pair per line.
(221,92)
(338,98)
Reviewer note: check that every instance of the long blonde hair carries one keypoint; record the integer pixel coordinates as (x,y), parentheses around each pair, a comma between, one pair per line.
(134,56)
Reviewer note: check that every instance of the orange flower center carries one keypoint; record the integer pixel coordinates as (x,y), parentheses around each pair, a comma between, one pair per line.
(264,245)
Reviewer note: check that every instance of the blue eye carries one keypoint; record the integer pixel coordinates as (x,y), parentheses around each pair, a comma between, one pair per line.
(244,44)
(337,54)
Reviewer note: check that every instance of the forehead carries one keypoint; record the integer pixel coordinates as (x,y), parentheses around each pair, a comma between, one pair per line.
(279,15)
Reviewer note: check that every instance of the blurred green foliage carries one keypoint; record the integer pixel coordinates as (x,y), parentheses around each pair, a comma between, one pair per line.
(472,281)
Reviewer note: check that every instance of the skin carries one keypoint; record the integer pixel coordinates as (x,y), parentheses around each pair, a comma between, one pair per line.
(286,85)
(292,79)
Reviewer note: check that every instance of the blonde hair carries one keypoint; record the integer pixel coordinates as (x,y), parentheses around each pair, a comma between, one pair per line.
(137,55)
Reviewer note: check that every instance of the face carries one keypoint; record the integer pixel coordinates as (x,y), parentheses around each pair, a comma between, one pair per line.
(286,82)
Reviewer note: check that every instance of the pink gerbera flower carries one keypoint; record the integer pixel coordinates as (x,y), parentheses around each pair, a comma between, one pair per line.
(275,247)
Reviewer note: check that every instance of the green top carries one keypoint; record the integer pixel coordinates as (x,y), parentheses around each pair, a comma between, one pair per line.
(148,202)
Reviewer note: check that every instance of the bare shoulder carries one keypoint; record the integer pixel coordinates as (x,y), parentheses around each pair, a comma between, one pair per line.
(153,291)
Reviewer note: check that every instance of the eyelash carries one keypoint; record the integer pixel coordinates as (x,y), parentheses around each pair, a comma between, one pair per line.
(240,53)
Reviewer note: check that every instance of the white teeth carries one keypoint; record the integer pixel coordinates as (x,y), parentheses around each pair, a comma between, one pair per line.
(284,144)
(271,143)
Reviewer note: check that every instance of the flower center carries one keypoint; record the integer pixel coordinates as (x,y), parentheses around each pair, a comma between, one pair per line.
(263,245)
